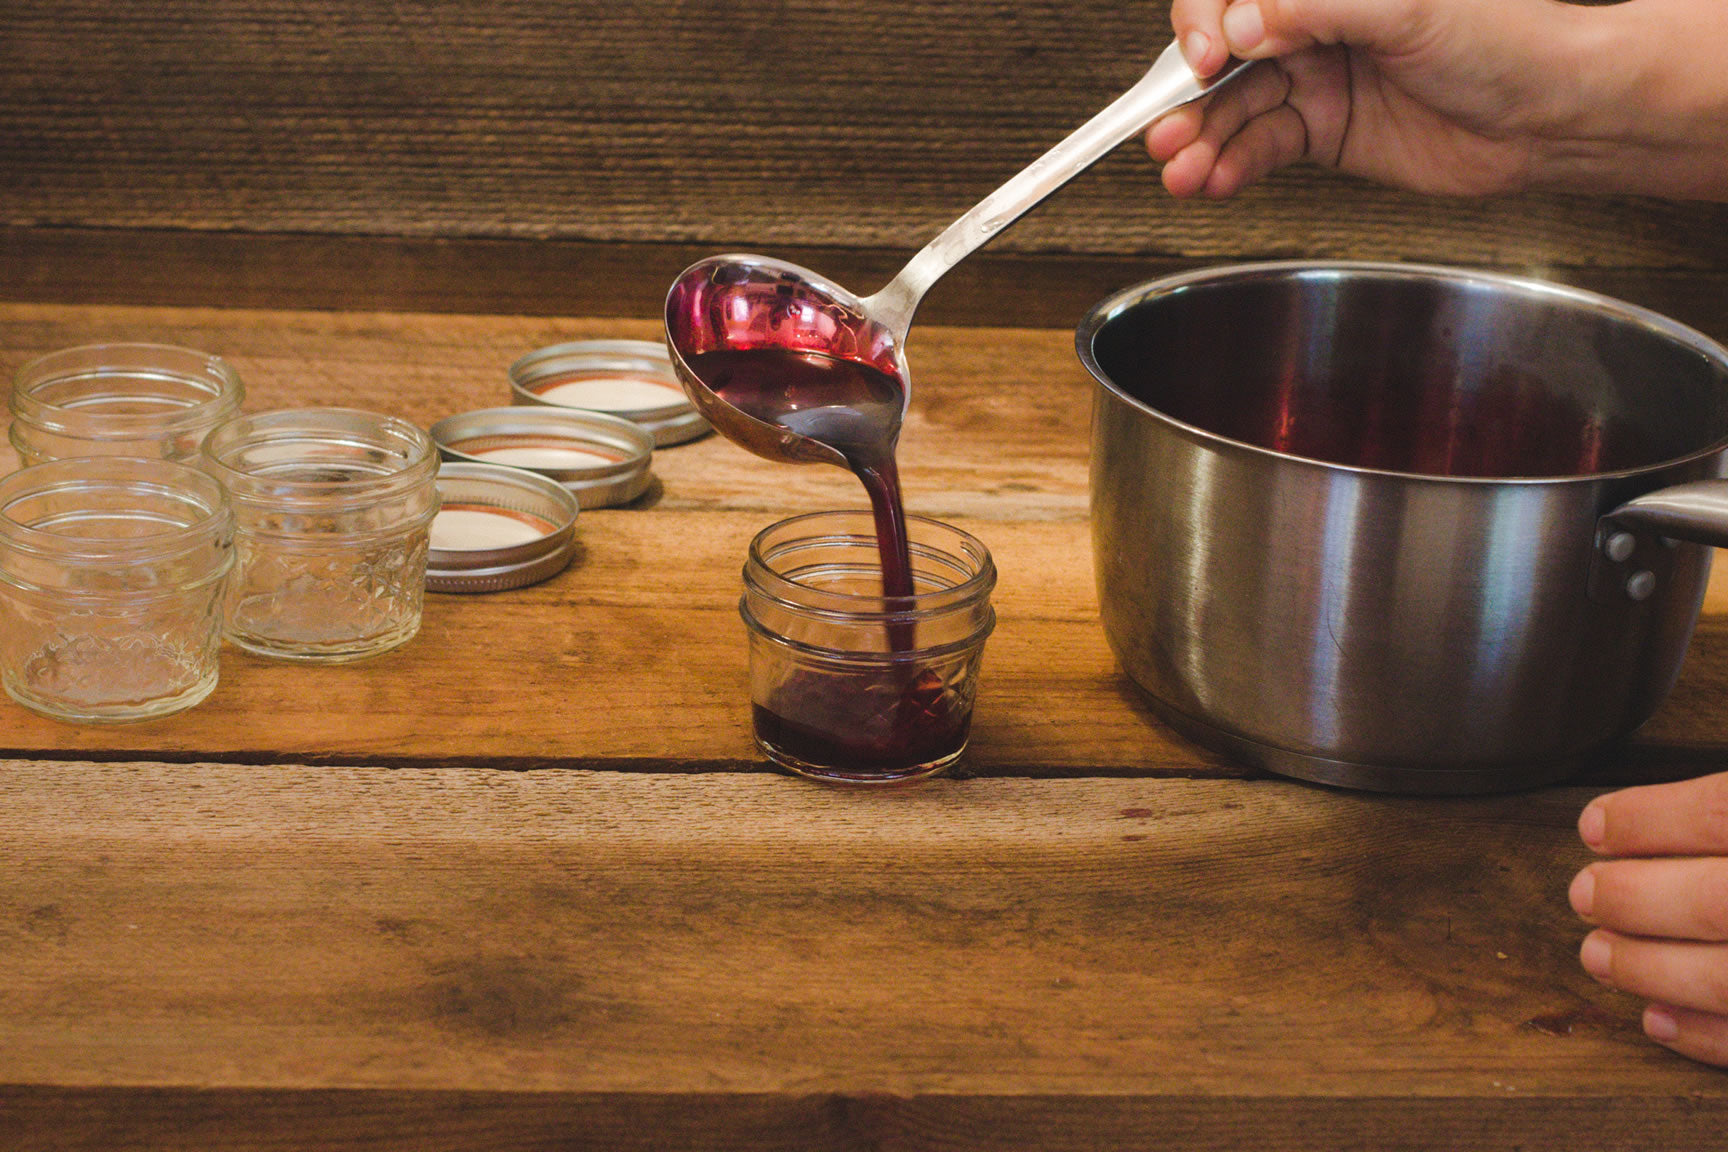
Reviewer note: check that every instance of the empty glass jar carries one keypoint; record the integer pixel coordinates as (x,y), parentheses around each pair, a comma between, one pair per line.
(847,685)
(153,400)
(111,574)
(332,509)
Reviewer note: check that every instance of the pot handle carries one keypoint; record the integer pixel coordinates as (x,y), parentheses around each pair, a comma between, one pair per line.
(1635,542)
(1696,512)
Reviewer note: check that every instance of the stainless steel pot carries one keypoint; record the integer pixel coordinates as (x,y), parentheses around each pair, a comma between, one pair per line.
(1405,528)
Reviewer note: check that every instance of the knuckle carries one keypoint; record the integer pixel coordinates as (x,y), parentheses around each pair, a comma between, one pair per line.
(1283,13)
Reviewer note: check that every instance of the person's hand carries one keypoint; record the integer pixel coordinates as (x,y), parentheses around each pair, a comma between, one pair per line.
(1435,97)
(1661,907)
(1456,97)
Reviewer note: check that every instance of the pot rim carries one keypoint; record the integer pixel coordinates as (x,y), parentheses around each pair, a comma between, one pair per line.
(1137,294)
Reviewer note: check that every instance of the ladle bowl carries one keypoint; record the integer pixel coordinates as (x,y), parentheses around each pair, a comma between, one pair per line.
(741,302)
(737,303)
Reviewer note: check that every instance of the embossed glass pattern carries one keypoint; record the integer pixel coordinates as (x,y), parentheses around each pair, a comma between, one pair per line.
(332,510)
(111,574)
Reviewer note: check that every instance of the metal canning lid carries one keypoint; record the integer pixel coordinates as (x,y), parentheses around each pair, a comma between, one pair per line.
(602,460)
(628,378)
(498,528)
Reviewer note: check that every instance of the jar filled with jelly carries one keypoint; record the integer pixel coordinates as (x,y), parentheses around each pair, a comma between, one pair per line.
(848,685)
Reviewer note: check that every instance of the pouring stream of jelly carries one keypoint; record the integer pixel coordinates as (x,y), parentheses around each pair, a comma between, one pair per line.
(738,323)
(855,409)
(851,407)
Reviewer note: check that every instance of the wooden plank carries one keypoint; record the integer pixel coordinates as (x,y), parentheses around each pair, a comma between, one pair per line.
(636,654)
(500,276)
(330,1120)
(517,277)
(1004,962)
(524,277)
(832,122)
(634,658)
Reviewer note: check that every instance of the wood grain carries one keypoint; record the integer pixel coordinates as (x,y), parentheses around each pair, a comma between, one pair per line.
(524,884)
(258,1120)
(634,658)
(1005,963)
(235,128)
(477,275)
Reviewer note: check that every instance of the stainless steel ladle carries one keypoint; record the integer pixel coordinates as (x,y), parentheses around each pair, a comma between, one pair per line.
(737,302)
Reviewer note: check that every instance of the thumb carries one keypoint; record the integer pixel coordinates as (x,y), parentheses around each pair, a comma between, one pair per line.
(1255,29)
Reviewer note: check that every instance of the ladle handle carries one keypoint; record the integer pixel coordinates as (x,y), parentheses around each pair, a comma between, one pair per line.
(1167,85)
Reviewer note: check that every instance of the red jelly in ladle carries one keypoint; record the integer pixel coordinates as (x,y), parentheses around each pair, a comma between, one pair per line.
(794,367)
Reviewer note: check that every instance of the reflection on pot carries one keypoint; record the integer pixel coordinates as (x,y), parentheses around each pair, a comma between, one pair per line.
(1349,519)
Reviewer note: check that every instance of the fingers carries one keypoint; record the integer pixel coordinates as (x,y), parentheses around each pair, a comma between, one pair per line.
(1681,973)
(1211,30)
(1167,137)
(1682,898)
(1276,114)
(1199,29)
(1256,29)
(1266,144)
(1689,818)
(1663,931)
(1239,135)
(1700,1035)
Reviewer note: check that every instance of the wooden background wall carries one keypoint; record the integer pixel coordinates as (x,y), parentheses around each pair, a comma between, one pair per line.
(562,156)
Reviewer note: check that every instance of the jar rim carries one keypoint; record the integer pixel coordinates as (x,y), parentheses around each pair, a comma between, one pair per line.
(109,472)
(973,557)
(406,444)
(201,370)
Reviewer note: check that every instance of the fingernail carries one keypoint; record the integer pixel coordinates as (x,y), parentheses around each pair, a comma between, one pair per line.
(1194,46)
(1597,956)
(1582,894)
(1244,27)
(1660,1025)
(1593,824)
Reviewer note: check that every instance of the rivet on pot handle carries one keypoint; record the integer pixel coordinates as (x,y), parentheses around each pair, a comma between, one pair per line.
(1632,541)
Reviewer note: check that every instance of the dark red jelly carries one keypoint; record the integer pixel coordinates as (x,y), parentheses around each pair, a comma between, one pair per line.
(864,722)
(851,407)
(864,726)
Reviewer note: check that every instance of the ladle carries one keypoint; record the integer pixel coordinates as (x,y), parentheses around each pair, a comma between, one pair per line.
(736,303)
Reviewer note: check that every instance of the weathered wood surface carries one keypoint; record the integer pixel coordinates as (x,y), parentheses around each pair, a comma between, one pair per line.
(181,151)
(208,956)
(634,658)
(314,912)
(651,942)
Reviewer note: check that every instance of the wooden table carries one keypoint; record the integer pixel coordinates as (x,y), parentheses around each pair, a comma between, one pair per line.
(525,884)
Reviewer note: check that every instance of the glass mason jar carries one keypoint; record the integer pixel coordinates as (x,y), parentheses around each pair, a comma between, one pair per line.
(332,509)
(152,400)
(111,575)
(847,685)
